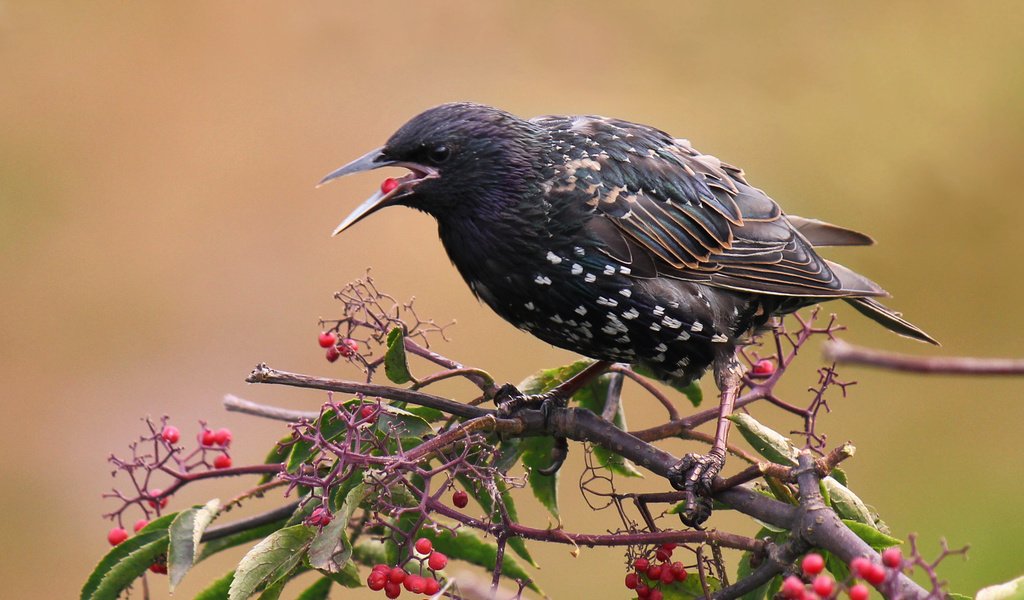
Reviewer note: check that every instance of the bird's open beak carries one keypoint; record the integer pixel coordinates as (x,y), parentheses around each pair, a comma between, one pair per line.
(376,159)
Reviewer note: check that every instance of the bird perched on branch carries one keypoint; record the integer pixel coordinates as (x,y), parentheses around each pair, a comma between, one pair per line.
(617,241)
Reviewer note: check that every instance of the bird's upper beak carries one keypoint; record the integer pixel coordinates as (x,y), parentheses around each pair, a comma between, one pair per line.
(376,159)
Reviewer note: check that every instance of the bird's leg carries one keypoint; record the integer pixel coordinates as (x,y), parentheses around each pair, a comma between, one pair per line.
(695,473)
(510,400)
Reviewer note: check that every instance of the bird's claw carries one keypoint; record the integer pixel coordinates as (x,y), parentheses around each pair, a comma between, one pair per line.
(510,400)
(694,475)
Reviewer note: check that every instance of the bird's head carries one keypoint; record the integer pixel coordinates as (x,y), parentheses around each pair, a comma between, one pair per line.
(461,157)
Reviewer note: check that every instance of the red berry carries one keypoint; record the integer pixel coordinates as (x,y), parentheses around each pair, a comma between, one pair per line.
(460,499)
(171,434)
(431,586)
(641,564)
(222,437)
(333,354)
(424,546)
(858,592)
(662,554)
(654,572)
(156,492)
(396,575)
(813,564)
(392,589)
(876,574)
(320,517)
(892,557)
(140,524)
(642,591)
(208,438)
(328,339)
(348,347)
(669,546)
(376,580)
(388,185)
(222,461)
(792,587)
(381,567)
(667,576)
(860,567)
(117,535)
(415,584)
(763,368)
(823,585)
(655,595)
(631,580)
(679,571)
(158,568)
(437,561)
(368,412)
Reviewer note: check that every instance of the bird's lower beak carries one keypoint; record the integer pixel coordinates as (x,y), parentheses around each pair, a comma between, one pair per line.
(387,195)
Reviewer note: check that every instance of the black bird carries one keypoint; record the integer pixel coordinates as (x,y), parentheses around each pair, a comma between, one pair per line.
(617,241)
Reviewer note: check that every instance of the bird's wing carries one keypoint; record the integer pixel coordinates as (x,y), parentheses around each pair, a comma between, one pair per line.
(657,203)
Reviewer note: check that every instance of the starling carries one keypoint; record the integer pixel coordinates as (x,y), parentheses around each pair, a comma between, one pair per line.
(617,241)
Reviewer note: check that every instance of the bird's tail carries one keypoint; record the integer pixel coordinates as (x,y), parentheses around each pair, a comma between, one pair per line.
(891,320)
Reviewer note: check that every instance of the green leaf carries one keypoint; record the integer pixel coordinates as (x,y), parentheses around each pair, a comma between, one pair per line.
(303,451)
(774,586)
(218,590)
(689,589)
(840,476)
(369,553)
(236,539)
(331,549)
(270,560)
(874,538)
(185,533)
(482,494)
(278,455)
(847,504)
(765,441)
(122,563)
(593,397)
(321,590)
(347,576)
(537,455)
(691,390)
(745,568)
(1011,590)
(396,364)
(410,425)
(465,545)
(835,565)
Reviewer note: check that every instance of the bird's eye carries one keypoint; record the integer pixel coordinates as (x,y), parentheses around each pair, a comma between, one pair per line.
(439,154)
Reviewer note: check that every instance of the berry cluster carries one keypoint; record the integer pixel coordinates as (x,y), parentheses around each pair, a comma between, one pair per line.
(220,438)
(336,348)
(650,576)
(392,579)
(823,586)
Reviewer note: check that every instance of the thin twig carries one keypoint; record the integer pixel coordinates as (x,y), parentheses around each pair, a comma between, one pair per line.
(841,352)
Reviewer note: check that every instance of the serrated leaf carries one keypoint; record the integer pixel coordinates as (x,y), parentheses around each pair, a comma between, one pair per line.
(847,504)
(185,533)
(409,425)
(396,363)
(218,590)
(236,539)
(765,441)
(691,390)
(347,576)
(270,560)
(331,549)
(537,455)
(874,538)
(321,590)
(465,545)
(155,532)
(125,572)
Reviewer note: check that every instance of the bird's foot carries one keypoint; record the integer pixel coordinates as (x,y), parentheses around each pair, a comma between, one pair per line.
(510,400)
(694,474)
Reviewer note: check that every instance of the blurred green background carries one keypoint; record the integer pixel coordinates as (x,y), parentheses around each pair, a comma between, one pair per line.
(161,234)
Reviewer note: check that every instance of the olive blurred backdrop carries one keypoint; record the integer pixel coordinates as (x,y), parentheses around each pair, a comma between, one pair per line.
(161,233)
